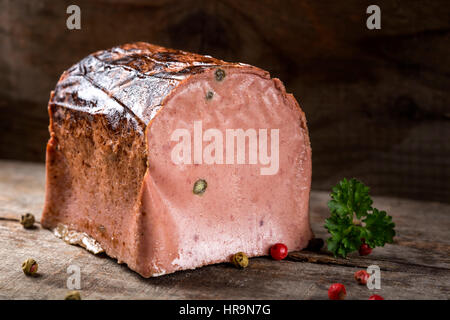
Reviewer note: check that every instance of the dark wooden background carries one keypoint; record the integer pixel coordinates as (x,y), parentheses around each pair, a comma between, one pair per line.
(377,102)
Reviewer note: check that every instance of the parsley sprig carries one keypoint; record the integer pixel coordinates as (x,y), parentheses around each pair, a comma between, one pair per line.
(353,220)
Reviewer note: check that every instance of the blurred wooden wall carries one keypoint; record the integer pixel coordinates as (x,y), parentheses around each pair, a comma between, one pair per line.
(377,102)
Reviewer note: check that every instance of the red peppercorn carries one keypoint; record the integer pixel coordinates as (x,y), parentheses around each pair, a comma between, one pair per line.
(279,251)
(364,250)
(361,276)
(376,297)
(337,292)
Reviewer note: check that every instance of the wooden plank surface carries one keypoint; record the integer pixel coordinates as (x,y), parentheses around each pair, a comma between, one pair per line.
(416,266)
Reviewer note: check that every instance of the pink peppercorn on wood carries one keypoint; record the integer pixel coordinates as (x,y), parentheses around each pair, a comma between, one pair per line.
(120,170)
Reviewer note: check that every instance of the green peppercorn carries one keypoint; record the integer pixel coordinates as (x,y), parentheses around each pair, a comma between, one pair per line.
(200,187)
(220,74)
(27,221)
(240,260)
(30,267)
(209,95)
(73,295)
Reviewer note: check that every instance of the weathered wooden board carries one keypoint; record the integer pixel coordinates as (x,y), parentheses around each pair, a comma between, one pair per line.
(416,266)
(376,101)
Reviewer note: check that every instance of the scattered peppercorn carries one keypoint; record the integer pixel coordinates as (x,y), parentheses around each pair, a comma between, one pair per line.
(361,276)
(337,292)
(200,186)
(209,95)
(376,297)
(30,267)
(279,251)
(27,220)
(73,295)
(315,244)
(365,250)
(240,260)
(220,74)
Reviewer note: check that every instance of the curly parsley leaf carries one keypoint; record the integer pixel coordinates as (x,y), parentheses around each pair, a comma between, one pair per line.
(379,229)
(346,237)
(353,219)
(350,196)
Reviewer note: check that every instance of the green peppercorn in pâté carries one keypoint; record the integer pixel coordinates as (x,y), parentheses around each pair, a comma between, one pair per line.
(209,95)
(200,187)
(220,74)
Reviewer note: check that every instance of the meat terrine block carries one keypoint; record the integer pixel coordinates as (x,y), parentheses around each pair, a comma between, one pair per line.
(172,160)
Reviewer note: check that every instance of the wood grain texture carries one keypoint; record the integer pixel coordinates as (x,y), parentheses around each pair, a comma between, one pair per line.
(377,102)
(416,266)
